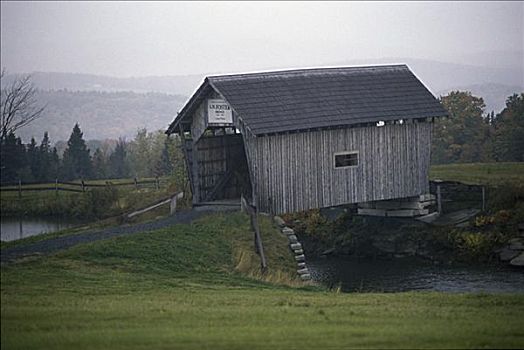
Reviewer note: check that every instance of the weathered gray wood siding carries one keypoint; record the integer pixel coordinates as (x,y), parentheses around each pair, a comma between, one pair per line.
(294,172)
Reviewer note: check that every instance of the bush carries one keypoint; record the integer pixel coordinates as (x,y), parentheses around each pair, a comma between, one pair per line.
(505,196)
(95,203)
(476,246)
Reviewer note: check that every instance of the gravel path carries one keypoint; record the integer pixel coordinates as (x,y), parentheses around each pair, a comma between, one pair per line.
(59,243)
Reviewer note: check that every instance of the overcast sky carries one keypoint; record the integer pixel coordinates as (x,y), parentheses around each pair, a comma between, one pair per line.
(168,38)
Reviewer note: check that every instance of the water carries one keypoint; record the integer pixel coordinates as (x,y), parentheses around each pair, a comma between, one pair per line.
(13,228)
(401,275)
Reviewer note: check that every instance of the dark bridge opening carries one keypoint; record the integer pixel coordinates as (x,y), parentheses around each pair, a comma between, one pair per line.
(218,167)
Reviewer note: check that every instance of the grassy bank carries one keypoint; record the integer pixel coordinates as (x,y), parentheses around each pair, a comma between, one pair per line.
(479,173)
(198,286)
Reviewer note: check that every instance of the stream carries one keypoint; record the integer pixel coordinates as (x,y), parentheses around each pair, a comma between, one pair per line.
(13,228)
(410,274)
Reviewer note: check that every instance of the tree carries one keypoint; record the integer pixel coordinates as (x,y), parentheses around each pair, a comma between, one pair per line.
(140,157)
(508,141)
(18,104)
(12,158)
(48,161)
(464,136)
(164,166)
(118,165)
(100,170)
(77,159)
(33,160)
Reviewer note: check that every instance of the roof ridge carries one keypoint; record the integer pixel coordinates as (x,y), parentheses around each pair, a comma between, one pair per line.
(312,71)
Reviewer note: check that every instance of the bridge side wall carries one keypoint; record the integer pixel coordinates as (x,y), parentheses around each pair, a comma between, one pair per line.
(295,172)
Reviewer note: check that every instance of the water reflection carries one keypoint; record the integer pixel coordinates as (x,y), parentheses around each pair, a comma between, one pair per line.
(412,274)
(13,228)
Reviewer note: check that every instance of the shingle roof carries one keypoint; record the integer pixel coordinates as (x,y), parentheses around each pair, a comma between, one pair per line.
(283,101)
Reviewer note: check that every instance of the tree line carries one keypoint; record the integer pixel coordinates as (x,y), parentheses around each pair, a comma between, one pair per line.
(148,154)
(471,135)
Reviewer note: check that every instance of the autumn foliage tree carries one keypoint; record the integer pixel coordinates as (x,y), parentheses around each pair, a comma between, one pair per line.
(465,135)
(508,144)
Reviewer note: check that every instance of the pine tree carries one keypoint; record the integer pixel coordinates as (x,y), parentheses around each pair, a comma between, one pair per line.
(118,161)
(100,170)
(33,159)
(77,159)
(12,158)
(54,167)
(44,155)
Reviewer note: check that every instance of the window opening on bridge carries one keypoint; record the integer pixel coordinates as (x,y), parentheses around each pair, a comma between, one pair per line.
(346,159)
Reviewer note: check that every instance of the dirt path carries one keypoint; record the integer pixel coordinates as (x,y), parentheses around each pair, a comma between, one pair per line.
(59,243)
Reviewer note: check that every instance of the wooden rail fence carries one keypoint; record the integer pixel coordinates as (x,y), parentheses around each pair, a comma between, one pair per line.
(80,187)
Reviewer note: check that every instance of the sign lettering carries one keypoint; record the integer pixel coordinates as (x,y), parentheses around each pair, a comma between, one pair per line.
(219,111)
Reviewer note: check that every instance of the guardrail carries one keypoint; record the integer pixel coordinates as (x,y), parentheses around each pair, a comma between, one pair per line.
(172,200)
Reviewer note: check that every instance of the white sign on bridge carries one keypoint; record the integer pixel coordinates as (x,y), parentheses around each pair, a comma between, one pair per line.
(219,112)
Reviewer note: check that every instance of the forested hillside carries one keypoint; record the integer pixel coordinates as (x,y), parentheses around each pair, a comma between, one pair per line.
(103,115)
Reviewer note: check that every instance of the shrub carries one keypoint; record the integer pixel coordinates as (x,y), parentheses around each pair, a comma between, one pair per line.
(505,196)
(95,203)
(475,245)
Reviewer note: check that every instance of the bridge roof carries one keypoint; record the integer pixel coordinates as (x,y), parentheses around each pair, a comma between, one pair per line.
(294,100)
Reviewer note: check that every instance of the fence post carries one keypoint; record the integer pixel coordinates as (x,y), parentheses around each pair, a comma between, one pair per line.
(83,186)
(19,188)
(136,184)
(157,183)
(56,185)
(439,200)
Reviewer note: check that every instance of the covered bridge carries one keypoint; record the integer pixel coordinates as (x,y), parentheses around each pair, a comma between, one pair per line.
(310,138)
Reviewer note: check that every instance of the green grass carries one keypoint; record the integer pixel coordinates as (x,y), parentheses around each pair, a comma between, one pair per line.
(198,286)
(479,173)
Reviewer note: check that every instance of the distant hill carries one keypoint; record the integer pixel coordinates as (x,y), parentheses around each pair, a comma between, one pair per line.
(439,76)
(101,115)
(174,85)
(109,107)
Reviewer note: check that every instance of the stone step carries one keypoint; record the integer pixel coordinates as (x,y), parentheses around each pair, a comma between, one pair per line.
(294,246)
(292,239)
(303,271)
(300,258)
(298,251)
(301,265)
(288,231)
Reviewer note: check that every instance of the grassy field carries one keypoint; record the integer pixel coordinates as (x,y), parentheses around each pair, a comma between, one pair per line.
(198,286)
(479,173)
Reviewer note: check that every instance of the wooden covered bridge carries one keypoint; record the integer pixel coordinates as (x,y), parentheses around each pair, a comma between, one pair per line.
(312,138)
